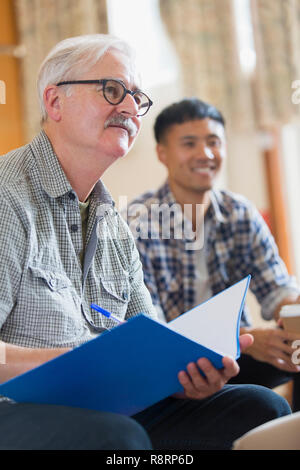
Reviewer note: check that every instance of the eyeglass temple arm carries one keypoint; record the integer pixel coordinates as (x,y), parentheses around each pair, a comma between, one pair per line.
(73,82)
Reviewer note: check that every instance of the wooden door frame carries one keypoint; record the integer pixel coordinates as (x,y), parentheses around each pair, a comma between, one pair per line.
(277,196)
(11,110)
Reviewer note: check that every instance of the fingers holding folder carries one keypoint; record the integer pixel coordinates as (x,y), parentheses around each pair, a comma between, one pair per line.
(198,386)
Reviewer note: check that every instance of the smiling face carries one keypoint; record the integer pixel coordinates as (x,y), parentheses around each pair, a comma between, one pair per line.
(87,122)
(193,153)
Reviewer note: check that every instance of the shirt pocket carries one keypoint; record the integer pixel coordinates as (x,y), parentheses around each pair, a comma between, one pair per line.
(115,295)
(54,280)
(53,312)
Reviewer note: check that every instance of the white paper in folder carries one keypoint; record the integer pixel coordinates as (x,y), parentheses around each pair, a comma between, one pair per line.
(215,323)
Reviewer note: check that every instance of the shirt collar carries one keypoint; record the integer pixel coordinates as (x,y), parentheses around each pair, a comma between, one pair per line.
(53,178)
(216,209)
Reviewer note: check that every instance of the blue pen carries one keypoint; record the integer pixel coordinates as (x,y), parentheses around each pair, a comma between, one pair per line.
(106,313)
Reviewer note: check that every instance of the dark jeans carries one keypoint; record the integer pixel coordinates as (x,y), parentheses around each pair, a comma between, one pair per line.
(46,427)
(172,424)
(261,373)
(213,423)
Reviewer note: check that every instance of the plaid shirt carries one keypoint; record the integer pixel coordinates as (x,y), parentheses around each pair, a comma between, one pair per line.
(45,295)
(237,243)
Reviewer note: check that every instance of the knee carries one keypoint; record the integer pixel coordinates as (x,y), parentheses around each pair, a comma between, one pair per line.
(264,404)
(124,433)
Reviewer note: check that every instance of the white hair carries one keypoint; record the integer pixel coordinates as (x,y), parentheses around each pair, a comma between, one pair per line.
(73,56)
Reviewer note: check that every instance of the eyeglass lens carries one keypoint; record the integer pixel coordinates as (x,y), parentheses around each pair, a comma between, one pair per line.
(114,92)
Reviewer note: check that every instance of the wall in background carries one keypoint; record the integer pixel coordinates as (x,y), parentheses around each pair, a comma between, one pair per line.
(11,129)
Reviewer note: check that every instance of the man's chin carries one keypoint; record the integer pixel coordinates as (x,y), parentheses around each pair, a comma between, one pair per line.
(120,151)
(121,146)
(201,188)
(206,184)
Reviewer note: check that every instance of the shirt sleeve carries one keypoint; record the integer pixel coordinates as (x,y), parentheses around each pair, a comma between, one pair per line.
(140,298)
(147,243)
(12,256)
(149,273)
(270,282)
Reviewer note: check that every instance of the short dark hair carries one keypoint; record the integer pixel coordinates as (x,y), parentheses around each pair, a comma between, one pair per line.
(188,109)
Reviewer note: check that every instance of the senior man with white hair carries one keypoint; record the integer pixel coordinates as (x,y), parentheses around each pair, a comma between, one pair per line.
(60,252)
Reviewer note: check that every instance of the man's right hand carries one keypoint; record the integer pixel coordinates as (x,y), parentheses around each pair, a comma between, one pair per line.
(274,346)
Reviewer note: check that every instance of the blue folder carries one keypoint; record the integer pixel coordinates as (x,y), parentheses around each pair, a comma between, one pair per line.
(124,370)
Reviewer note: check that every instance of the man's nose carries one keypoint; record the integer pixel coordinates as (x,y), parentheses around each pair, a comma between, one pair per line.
(204,151)
(128,106)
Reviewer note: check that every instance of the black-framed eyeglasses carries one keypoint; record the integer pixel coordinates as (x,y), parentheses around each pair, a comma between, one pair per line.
(114,91)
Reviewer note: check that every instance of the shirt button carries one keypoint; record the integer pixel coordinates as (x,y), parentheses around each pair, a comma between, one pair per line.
(72,196)
(74,228)
(125,295)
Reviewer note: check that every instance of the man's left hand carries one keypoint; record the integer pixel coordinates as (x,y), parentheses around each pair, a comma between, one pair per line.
(197,387)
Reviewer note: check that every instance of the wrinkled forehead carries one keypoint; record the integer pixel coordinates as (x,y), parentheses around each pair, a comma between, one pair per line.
(119,65)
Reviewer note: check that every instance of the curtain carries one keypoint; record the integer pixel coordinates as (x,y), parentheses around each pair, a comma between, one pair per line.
(43,23)
(203,32)
(277,38)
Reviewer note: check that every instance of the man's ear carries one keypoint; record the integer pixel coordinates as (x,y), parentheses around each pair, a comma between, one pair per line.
(160,150)
(52,102)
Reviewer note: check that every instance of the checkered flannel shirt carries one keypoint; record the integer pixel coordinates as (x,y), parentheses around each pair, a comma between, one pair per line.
(237,243)
(45,295)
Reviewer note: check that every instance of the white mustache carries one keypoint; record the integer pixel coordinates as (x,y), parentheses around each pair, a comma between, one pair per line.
(123,122)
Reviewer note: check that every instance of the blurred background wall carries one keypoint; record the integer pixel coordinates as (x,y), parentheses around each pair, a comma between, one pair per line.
(240,55)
